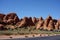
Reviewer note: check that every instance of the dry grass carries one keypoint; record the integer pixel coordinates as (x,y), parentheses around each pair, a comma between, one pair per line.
(24,31)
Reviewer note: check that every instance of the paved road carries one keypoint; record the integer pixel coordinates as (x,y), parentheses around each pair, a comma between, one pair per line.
(39,38)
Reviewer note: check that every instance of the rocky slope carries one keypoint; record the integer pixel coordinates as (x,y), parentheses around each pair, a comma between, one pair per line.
(11,19)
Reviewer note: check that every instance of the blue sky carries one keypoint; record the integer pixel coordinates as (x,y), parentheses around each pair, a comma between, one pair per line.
(33,8)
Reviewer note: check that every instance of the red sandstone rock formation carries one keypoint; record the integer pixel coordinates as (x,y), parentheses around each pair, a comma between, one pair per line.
(1,17)
(1,26)
(59,23)
(10,21)
(35,20)
(11,18)
(16,19)
(46,22)
(30,22)
(57,26)
(25,22)
(50,25)
(40,23)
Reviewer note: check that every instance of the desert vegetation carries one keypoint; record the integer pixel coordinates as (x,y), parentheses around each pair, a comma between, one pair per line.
(10,24)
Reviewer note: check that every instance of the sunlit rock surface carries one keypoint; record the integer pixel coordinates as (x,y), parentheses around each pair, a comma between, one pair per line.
(12,19)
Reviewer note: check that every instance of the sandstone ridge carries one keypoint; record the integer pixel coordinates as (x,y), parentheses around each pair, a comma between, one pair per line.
(12,21)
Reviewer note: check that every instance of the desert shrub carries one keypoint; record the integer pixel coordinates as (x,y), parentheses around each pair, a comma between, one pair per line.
(9,27)
(26,36)
(11,37)
(33,35)
(5,33)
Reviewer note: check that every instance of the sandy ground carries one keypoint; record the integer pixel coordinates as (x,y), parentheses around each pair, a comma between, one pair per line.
(57,37)
(25,36)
